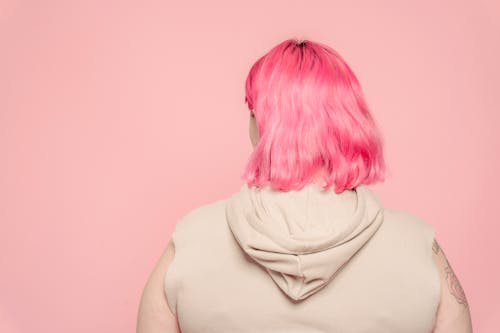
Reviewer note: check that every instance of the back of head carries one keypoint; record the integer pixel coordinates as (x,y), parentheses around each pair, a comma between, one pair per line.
(312,120)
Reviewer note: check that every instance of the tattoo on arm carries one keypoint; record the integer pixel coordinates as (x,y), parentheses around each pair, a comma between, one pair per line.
(435,247)
(453,283)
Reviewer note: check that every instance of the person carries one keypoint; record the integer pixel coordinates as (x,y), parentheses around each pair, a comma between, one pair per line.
(304,245)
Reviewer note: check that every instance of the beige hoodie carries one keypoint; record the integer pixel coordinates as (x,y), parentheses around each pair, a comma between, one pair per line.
(305,261)
(303,237)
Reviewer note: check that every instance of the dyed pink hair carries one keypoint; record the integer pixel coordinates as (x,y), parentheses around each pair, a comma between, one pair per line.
(312,120)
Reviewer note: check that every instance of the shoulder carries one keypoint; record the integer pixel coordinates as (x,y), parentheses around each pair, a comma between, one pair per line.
(408,227)
(406,220)
(202,215)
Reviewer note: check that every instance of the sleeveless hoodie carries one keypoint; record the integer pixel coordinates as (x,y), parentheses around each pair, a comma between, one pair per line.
(306,261)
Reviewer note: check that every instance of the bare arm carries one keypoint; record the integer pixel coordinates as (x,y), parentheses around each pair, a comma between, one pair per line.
(154,314)
(453,314)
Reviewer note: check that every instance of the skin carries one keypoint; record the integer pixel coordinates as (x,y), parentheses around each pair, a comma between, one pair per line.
(154,315)
(453,314)
(253,130)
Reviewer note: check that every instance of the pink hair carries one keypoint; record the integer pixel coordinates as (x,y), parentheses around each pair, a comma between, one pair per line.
(312,120)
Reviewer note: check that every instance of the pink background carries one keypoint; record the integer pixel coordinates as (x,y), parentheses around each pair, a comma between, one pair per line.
(116,118)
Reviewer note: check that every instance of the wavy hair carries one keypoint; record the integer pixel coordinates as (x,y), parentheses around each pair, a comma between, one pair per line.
(312,120)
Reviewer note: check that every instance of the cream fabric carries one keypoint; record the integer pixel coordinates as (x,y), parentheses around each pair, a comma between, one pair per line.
(263,260)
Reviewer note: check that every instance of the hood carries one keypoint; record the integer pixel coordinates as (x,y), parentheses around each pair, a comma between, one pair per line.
(302,237)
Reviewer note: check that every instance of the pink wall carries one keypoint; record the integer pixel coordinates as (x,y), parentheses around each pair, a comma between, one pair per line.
(116,119)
